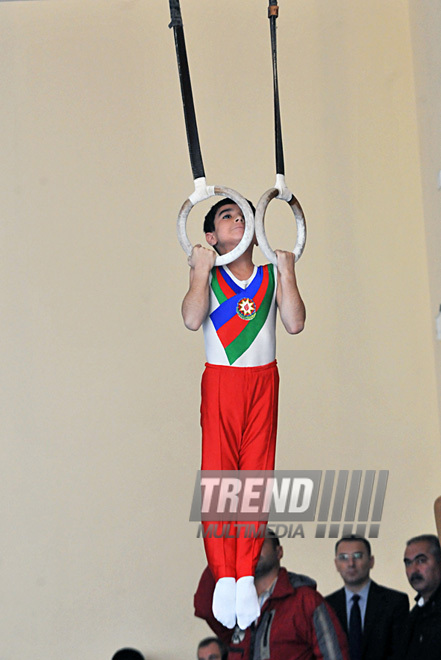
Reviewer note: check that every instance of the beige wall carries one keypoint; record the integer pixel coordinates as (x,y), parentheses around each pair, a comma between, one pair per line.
(426,23)
(99,423)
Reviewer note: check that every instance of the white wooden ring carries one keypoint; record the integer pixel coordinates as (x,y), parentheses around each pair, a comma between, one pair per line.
(437,508)
(248,234)
(260,229)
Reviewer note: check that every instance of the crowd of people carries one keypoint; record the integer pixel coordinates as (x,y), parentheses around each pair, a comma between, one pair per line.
(361,621)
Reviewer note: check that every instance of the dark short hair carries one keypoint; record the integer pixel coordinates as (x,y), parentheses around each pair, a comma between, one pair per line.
(270,534)
(214,640)
(209,218)
(354,537)
(435,548)
(128,654)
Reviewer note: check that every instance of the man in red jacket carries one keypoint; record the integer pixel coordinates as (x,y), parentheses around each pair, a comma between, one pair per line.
(295,622)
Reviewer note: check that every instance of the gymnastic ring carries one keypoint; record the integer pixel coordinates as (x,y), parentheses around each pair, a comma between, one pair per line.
(437,510)
(260,229)
(248,234)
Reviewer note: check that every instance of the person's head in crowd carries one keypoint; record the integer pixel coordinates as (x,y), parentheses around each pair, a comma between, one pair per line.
(270,555)
(212,648)
(422,561)
(354,561)
(128,654)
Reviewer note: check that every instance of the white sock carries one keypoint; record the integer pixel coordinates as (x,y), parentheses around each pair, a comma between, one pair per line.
(247,603)
(224,601)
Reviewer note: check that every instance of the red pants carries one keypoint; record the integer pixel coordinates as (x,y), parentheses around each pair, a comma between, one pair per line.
(239,427)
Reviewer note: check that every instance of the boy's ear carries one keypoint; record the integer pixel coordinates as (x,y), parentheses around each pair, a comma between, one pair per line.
(211,238)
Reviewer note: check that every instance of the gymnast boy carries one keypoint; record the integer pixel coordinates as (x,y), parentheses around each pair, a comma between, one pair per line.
(236,305)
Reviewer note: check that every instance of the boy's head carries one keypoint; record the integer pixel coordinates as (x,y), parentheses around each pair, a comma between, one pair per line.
(214,213)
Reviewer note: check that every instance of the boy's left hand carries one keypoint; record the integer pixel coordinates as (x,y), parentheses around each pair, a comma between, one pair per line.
(285,261)
(289,301)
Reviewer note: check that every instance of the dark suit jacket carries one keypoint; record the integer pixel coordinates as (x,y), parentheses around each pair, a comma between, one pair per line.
(384,623)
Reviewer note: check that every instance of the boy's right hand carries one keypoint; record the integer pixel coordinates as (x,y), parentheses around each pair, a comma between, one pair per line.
(196,302)
(202,258)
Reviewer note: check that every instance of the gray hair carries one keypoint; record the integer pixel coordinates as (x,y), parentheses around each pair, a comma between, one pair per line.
(432,540)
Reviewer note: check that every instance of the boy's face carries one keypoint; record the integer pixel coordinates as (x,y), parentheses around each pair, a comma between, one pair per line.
(229,226)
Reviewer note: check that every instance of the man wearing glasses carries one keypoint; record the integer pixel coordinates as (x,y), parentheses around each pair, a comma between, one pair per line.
(373,616)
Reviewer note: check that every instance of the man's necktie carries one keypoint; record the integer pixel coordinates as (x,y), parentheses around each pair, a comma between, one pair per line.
(355,629)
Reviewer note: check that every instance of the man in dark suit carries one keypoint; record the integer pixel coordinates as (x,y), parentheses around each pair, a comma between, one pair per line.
(422,559)
(373,616)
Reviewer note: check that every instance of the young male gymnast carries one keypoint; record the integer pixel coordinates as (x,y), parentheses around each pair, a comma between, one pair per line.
(236,305)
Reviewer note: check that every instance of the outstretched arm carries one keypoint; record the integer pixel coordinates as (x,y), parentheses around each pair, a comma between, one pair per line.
(196,302)
(289,301)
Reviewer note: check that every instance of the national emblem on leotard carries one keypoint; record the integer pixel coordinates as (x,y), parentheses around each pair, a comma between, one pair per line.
(246,309)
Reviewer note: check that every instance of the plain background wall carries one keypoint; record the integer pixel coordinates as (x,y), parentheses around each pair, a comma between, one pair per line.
(425,21)
(100,380)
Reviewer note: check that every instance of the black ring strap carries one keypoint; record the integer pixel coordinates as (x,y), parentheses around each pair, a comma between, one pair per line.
(194,147)
(273,12)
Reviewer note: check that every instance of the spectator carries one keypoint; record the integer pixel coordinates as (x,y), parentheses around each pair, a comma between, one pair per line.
(295,622)
(128,654)
(212,648)
(374,621)
(422,560)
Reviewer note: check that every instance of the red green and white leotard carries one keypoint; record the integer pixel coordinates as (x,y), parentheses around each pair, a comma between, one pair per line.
(239,395)
(240,328)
